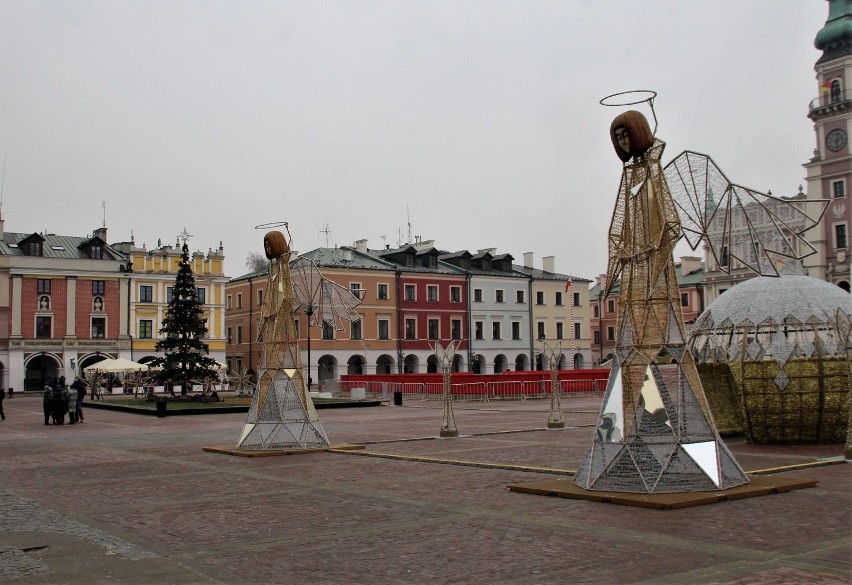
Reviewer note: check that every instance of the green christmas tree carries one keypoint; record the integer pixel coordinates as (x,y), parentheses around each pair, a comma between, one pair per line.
(185,354)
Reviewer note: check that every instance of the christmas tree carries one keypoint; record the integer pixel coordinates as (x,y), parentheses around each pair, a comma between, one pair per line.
(185,354)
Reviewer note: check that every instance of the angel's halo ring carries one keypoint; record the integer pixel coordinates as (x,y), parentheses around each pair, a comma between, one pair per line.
(271,225)
(629,98)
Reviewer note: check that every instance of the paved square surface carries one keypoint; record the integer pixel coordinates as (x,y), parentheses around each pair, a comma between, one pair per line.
(124,498)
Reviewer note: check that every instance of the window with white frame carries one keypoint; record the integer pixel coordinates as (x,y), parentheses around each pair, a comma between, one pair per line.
(355,330)
(170,292)
(496,330)
(146,329)
(43,327)
(327,331)
(539,297)
(840,239)
(383,328)
(838,188)
(455,328)
(43,286)
(201,292)
(455,294)
(498,296)
(559,328)
(434,329)
(382,291)
(98,287)
(610,333)
(519,296)
(239,300)
(516,329)
(558,298)
(477,295)
(684,299)
(356,290)
(410,328)
(576,299)
(146,293)
(260,297)
(228,300)
(578,331)
(98,327)
(597,337)
(610,306)
(542,334)
(478,330)
(410,292)
(432,293)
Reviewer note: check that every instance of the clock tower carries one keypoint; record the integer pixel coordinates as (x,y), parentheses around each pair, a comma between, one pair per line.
(829,172)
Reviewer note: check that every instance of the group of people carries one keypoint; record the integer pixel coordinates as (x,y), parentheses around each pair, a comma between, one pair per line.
(60,400)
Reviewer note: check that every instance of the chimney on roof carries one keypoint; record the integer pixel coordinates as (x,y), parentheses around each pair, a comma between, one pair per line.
(360,246)
(101,233)
(491,251)
(689,264)
(548,263)
(528,260)
(347,255)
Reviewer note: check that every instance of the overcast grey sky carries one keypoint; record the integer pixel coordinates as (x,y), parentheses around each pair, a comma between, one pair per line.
(476,120)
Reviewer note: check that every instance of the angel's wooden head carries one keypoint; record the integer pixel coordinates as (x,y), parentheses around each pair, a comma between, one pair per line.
(631,135)
(275,245)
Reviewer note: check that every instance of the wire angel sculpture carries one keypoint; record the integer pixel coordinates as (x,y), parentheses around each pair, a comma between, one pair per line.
(446,356)
(552,355)
(656,433)
(282,414)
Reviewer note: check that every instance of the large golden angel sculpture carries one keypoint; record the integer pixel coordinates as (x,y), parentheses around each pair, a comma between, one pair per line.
(282,414)
(655,432)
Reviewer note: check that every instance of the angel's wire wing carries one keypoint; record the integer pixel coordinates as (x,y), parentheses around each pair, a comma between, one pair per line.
(756,229)
(329,301)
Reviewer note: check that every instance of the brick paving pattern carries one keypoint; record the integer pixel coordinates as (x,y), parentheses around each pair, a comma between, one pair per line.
(124,498)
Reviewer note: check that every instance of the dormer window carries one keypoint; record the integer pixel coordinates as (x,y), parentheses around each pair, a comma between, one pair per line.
(409,259)
(33,248)
(96,252)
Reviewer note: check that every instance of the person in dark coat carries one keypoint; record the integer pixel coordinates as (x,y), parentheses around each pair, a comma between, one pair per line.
(48,404)
(80,387)
(60,405)
(2,414)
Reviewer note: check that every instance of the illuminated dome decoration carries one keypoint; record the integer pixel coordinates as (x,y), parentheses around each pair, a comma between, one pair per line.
(786,343)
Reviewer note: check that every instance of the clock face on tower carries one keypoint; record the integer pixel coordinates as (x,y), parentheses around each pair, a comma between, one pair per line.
(835,140)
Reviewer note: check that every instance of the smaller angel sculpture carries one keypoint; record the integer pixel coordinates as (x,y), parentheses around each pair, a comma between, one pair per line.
(282,414)
(656,432)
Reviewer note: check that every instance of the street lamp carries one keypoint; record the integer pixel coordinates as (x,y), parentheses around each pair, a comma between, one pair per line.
(309,311)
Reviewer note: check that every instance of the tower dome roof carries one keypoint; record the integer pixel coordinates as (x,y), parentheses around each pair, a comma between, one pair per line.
(835,37)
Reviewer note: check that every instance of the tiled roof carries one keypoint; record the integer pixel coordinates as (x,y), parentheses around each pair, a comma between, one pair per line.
(54,246)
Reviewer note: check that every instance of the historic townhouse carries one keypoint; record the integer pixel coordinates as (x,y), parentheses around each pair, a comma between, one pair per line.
(431,307)
(499,311)
(560,313)
(243,302)
(63,303)
(416,295)
(361,347)
(152,280)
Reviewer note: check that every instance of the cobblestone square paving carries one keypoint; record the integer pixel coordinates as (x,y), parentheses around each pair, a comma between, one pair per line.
(124,498)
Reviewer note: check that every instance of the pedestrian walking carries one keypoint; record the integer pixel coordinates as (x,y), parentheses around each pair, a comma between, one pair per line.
(71,397)
(80,387)
(48,404)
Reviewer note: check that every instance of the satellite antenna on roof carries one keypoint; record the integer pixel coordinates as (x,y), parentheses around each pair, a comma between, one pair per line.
(408,217)
(327,231)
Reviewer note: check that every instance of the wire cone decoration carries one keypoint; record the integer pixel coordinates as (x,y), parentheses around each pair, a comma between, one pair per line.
(552,354)
(282,414)
(445,356)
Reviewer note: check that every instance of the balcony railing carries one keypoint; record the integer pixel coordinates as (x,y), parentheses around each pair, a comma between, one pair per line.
(831,99)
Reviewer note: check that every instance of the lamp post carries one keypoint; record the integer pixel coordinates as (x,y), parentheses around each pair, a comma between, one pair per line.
(309,311)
